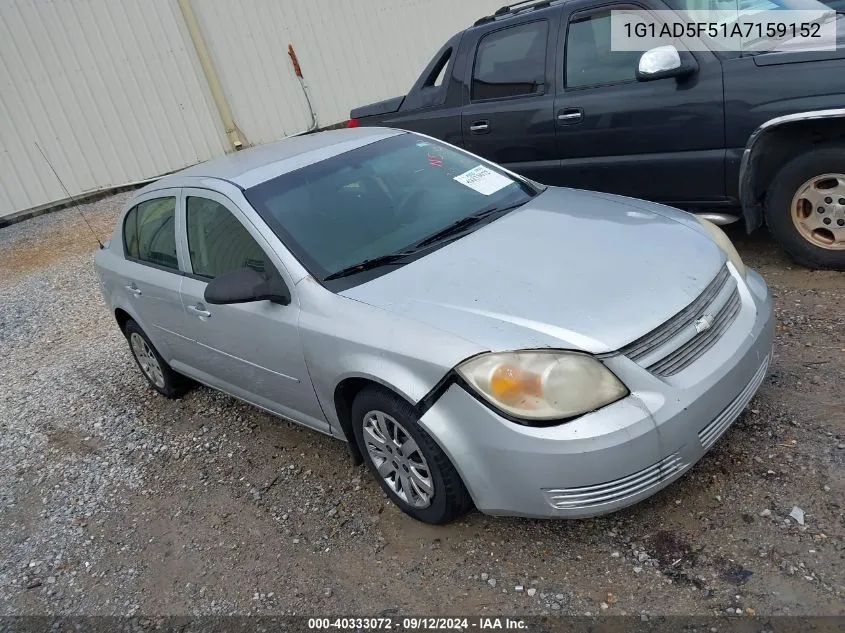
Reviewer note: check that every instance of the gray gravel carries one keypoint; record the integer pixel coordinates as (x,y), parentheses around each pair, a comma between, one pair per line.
(117,501)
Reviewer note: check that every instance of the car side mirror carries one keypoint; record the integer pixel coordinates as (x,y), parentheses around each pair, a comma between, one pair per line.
(665,61)
(246,285)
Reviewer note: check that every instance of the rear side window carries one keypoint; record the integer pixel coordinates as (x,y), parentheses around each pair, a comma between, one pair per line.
(511,62)
(218,242)
(149,233)
(438,73)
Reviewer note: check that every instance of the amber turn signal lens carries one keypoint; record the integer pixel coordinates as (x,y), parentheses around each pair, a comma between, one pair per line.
(511,384)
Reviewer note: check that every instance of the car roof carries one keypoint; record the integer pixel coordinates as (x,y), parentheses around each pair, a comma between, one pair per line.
(516,10)
(255,165)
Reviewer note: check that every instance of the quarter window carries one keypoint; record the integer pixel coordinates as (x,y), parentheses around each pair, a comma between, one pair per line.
(149,233)
(511,62)
(218,242)
(589,58)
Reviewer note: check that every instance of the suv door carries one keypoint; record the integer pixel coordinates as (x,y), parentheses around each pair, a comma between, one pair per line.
(509,114)
(149,274)
(251,350)
(662,140)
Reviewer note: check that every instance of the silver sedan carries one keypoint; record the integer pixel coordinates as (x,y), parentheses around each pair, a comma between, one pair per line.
(475,337)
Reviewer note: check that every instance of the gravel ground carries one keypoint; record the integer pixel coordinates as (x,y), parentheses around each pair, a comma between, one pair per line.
(117,501)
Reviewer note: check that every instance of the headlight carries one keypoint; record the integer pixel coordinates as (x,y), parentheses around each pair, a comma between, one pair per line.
(542,385)
(724,242)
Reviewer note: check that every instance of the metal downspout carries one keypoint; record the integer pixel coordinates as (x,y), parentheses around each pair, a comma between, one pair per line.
(236,139)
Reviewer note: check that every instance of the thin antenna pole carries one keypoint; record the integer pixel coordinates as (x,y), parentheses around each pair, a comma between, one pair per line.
(67,193)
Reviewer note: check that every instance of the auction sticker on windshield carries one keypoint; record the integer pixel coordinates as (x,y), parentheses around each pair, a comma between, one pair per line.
(483,180)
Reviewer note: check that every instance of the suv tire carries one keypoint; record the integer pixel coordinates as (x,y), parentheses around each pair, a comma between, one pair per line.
(805,208)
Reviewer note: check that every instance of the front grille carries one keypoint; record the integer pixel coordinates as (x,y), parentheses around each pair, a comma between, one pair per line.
(616,490)
(675,345)
(713,431)
(690,351)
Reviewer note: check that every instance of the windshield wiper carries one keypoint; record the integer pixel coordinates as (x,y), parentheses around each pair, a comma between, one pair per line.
(406,255)
(462,225)
(400,257)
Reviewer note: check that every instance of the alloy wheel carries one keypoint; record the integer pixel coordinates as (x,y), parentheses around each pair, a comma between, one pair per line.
(398,459)
(818,211)
(146,359)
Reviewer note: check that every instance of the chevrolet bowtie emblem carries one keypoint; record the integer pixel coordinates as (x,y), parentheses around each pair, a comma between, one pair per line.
(704,323)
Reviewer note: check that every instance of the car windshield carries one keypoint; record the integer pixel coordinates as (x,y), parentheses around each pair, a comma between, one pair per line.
(387,198)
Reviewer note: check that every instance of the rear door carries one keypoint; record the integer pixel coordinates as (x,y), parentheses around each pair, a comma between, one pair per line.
(662,140)
(251,350)
(508,111)
(149,274)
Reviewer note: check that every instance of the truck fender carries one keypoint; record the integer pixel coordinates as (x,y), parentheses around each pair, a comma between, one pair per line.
(756,148)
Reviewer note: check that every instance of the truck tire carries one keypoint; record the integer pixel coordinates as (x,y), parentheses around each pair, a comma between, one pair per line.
(805,208)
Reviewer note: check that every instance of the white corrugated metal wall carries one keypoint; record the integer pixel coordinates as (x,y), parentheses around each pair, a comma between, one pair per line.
(113,92)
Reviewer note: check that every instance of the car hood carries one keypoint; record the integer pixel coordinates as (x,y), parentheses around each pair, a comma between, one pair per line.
(569,269)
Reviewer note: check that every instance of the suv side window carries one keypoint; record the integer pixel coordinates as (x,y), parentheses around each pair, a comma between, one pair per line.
(511,62)
(589,58)
(218,242)
(149,233)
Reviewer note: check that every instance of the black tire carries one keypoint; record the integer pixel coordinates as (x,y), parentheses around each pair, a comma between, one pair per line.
(450,498)
(172,384)
(784,186)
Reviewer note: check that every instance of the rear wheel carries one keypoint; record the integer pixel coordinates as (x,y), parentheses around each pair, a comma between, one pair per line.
(157,372)
(408,464)
(805,208)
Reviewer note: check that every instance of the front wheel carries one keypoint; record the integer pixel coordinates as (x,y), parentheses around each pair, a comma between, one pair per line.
(805,208)
(408,464)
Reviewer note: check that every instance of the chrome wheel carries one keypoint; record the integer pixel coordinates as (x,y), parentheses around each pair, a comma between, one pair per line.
(146,359)
(818,211)
(398,459)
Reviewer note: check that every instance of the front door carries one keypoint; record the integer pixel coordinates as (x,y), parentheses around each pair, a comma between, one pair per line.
(661,140)
(251,350)
(508,119)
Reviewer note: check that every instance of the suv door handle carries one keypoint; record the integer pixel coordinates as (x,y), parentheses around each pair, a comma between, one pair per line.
(570,115)
(200,311)
(135,290)
(480,127)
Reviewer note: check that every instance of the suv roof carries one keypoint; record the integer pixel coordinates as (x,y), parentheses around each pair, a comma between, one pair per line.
(515,9)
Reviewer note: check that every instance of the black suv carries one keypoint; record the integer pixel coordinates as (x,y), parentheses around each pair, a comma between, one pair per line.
(536,88)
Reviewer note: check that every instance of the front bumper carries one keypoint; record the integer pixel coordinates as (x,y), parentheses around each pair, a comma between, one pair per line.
(621,454)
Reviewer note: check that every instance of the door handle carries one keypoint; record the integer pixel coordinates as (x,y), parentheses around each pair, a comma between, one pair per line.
(135,290)
(480,127)
(200,311)
(570,115)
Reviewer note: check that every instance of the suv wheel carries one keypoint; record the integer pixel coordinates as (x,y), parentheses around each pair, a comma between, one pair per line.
(805,208)
(410,467)
(157,372)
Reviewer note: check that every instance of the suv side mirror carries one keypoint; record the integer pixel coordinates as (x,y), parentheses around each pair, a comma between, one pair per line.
(246,285)
(664,61)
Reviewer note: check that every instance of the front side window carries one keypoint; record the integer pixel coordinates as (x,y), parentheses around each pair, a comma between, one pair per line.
(511,62)
(589,58)
(379,199)
(217,242)
(149,233)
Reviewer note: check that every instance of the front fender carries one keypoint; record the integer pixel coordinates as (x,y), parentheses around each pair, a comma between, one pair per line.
(343,338)
(756,149)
